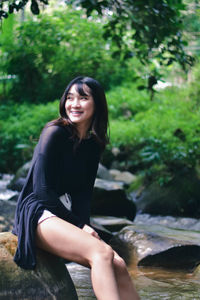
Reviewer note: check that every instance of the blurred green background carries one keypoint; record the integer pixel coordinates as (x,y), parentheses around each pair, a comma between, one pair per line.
(152,89)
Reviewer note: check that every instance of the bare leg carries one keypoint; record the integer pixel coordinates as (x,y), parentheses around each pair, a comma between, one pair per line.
(70,242)
(127,290)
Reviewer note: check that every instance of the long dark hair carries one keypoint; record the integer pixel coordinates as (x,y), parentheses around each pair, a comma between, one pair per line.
(99,126)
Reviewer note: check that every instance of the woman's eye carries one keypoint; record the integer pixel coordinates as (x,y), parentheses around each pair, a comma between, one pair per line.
(84,98)
(69,98)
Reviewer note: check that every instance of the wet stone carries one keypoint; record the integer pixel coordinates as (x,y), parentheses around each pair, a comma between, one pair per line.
(158,246)
(112,223)
(110,199)
(49,280)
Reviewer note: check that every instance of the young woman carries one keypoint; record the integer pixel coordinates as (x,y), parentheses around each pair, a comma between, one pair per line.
(53,208)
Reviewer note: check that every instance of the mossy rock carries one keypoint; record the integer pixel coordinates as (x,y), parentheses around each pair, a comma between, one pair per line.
(181,197)
(49,280)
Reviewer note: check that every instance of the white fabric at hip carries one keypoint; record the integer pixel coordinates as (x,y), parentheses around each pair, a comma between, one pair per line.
(66,201)
(46,215)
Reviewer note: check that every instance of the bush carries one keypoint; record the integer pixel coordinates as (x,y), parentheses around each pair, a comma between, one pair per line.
(48,51)
(160,137)
(20,127)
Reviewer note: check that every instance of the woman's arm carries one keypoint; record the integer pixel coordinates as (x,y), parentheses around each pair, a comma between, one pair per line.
(48,170)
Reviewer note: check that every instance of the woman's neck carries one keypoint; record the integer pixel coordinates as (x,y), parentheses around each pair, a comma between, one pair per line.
(83,131)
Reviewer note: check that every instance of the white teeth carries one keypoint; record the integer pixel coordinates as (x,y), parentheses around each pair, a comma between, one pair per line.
(76,113)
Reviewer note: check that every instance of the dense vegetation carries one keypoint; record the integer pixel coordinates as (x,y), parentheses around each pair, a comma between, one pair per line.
(152,138)
(45,53)
(146,29)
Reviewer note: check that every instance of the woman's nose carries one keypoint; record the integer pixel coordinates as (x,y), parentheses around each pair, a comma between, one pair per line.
(76,102)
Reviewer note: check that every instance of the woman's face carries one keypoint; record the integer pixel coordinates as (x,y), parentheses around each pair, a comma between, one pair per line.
(80,109)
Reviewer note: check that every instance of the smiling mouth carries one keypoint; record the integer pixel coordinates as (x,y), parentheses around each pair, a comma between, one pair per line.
(76,112)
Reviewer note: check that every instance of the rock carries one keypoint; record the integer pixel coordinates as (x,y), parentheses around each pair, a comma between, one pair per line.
(18,181)
(110,199)
(158,246)
(49,280)
(108,184)
(181,197)
(104,234)
(116,165)
(23,171)
(115,151)
(168,221)
(17,185)
(81,277)
(112,224)
(125,177)
(103,173)
(7,213)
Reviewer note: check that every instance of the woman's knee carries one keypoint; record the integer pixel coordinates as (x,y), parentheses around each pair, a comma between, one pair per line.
(119,265)
(103,253)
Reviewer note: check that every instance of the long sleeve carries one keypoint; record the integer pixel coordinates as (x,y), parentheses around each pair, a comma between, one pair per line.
(43,186)
(49,172)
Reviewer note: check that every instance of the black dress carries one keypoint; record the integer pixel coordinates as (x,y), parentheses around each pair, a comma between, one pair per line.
(56,169)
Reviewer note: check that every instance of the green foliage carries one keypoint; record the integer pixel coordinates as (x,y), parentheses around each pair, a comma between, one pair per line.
(136,184)
(160,137)
(147,29)
(194,88)
(20,127)
(125,101)
(191,22)
(47,52)
(8,7)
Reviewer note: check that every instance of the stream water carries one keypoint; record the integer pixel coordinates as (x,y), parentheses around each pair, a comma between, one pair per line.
(150,283)
(6,194)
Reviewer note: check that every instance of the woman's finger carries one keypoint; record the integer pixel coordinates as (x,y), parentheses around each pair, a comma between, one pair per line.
(95,234)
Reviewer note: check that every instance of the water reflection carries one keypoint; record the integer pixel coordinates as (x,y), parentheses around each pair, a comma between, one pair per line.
(150,283)
(161,284)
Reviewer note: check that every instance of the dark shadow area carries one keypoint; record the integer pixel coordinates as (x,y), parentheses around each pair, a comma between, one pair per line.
(184,258)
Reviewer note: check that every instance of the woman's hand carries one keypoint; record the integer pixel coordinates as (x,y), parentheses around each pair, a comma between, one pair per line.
(91,231)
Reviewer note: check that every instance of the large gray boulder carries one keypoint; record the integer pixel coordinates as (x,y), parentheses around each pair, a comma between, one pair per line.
(110,199)
(158,246)
(18,181)
(181,197)
(103,173)
(112,224)
(124,176)
(49,280)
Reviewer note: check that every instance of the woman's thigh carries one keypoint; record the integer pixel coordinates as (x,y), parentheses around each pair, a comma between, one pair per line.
(66,240)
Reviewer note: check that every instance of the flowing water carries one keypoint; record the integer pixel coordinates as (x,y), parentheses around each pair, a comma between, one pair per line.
(6,194)
(151,283)
(161,284)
